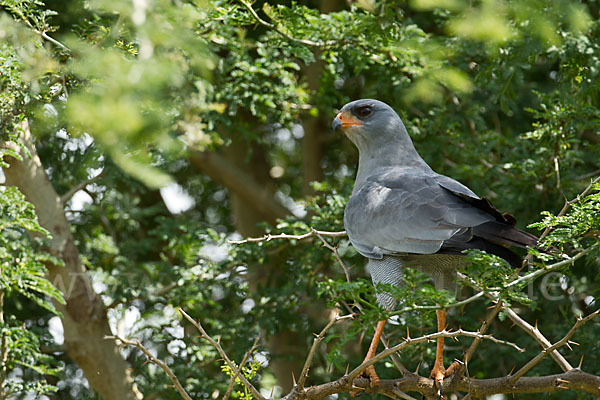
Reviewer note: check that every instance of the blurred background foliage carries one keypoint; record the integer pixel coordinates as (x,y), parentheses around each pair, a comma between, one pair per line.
(183,124)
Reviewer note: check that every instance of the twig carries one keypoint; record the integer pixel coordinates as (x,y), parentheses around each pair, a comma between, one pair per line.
(43,34)
(425,338)
(539,337)
(271,26)
(163,365)
(157,293)
(318,339)
(565,340)
(269,237)
(395,359)
(440,307)
(552,267)
(67,196)
(566,206)
(334,250)
(233,376)
(484,326)
(564,365)
(217,346)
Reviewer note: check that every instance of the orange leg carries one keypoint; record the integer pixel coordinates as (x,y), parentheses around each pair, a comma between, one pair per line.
(438,373)
(373,350)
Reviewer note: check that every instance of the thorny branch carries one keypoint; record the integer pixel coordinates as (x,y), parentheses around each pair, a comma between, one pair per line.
(163,365)
(318,339)
(234,376)
(268,237)
(565,341)
(563,211)
(217,346)
(541,339)
(572,378)
(425,338)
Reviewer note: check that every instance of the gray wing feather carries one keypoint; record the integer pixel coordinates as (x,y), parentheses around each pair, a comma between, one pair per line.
(407,211)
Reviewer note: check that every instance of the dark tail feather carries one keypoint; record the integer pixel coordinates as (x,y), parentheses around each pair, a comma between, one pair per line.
(478,243)
(500,233)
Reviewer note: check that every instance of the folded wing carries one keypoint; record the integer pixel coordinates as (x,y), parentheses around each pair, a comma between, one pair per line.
(402,210)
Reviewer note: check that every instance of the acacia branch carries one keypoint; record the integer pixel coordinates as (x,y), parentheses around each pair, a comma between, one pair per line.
(539,337)
(484,327)
(318,339)
(233,376)
(552,267)
(268,237)
(564,341)
(163,365)
(217,346)
(425,338)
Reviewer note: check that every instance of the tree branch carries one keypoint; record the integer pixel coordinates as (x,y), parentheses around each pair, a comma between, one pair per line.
(425,338)
(233,376)
(163,365)
(269,237)
(81,185)
(217,346)
(541,339)
(84,315)
(564,341)
(318,339)
(484,326)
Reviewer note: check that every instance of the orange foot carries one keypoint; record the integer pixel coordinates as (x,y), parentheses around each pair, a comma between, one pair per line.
(370,372)
(438,373)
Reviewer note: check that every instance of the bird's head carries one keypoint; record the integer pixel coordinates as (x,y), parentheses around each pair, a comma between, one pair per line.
(368,120)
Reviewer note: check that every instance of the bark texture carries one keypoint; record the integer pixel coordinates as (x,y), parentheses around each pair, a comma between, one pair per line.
(84,315)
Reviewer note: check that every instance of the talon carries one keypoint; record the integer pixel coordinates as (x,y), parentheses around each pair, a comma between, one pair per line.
(372,376)
(438,374)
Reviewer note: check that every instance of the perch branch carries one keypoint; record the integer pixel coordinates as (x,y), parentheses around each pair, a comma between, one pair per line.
(560,360)
(425,338)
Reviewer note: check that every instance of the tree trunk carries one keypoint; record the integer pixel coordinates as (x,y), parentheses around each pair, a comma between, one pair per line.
(84,315)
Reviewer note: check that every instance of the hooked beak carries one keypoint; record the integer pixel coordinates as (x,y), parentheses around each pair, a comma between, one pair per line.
(344,120)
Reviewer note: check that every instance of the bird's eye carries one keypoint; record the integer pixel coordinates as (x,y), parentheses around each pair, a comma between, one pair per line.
(364,111)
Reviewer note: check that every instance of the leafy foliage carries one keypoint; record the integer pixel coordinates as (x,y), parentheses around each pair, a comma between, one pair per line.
(23,283)
(500,95)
